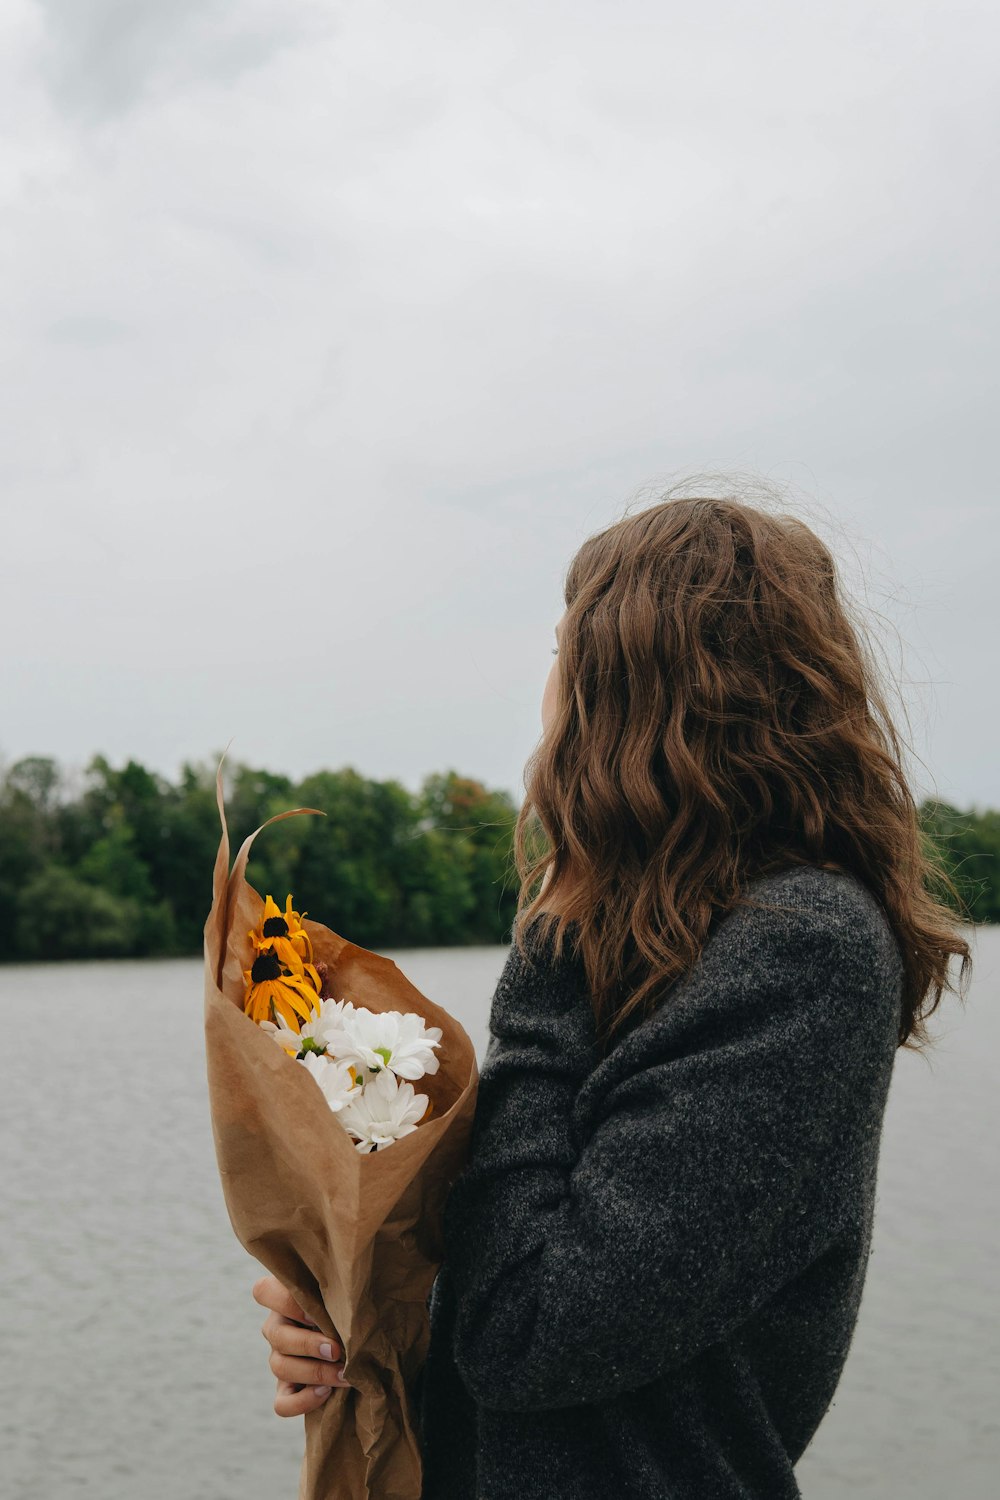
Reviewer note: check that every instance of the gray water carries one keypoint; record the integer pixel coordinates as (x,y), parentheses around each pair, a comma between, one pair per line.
(133,1367)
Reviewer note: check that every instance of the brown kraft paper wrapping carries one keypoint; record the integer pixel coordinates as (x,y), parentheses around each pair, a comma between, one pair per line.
(356,1238)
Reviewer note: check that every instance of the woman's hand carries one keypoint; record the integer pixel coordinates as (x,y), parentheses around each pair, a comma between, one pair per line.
(305,1362)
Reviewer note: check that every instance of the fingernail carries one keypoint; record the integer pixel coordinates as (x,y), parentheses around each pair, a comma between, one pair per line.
(322,1390)
(326,1352)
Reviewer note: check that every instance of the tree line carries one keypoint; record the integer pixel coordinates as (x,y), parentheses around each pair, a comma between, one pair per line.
(117,862)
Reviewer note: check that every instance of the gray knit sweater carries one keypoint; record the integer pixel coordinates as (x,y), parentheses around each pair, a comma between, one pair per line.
(654,1262)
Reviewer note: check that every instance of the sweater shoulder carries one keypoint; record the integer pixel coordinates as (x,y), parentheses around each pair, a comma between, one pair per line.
(803,920)
(806,897)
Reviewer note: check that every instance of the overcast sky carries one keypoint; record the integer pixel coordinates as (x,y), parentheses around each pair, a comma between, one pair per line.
(330,331)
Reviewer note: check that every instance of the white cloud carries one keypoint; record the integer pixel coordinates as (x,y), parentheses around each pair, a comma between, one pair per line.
(101,58)
(331,331)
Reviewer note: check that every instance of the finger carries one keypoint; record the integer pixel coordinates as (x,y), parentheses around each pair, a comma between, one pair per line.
(269,1292)
(290,1338)
(295,1401)
(305,1371)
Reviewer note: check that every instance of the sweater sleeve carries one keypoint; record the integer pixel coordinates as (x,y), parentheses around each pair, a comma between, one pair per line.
(716,1172)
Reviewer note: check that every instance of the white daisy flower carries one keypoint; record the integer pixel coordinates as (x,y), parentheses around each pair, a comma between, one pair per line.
(382,1112)
(334,1013)
(335,1079)
(375,1040)
(309,1039)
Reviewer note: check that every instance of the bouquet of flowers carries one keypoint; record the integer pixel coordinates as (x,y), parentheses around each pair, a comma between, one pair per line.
(336,1040)
(335,1171)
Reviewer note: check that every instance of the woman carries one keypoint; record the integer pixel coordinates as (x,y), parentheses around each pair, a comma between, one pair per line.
(655,1255)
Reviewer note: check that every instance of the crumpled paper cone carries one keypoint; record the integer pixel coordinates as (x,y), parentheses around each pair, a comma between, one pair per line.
(356,1238)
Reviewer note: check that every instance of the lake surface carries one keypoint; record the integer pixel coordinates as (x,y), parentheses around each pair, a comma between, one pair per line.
(132,1364)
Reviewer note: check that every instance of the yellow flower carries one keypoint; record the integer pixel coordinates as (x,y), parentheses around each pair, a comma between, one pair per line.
(272,989)
(283,933)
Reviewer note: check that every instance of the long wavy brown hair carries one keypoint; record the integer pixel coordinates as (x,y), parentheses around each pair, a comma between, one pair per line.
(720,718)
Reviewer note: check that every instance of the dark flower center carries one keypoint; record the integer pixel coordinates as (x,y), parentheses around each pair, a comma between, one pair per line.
(265,966)
(275,927)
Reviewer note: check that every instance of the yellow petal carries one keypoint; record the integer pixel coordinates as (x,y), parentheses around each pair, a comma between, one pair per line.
(283,1008)
(299,1003)
(253,1005)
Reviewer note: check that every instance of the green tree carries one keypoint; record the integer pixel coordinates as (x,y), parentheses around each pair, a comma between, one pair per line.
(967,847)
(112,864)
(479,825)
(58,915)
(121,863)
(347,865)
(190,838)
(28,837)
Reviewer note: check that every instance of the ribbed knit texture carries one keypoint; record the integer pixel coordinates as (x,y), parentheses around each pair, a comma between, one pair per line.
(654,1262)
